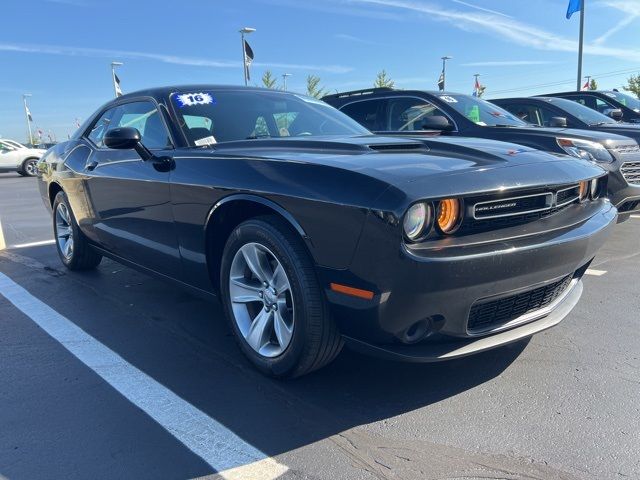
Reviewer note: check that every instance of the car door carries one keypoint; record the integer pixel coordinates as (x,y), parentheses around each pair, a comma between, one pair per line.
(8,156)
(131,198)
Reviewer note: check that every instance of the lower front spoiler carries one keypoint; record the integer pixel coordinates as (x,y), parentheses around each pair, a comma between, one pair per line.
(448,348)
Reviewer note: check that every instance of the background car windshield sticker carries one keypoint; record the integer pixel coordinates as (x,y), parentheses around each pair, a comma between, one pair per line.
(474,114)
(191,99)
(210,140)
(498,114)
(448,99)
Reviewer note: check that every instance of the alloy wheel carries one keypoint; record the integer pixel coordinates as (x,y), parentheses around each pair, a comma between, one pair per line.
(31,168)
(261,300)
(64,232)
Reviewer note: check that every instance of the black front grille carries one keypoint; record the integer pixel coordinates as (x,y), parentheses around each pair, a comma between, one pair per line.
(486,315)
(477,226)
(631,172)
(567,195)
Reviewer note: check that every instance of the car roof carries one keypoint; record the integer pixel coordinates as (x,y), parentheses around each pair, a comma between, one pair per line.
(165,91)
(383,91)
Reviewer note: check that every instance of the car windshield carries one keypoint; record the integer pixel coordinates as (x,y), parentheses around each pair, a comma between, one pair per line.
(209,117)
(584,114)
(482,112)
(626,100)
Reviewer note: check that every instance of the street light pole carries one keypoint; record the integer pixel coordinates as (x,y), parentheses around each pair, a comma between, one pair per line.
(113,77)
(284,80)
(444,71)
(26,114)
(243,31)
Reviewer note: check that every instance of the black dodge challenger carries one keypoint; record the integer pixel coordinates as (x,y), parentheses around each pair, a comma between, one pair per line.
(313,231)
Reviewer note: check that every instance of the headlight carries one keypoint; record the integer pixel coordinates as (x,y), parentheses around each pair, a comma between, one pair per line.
(585,149)
(449,215)
(417,221)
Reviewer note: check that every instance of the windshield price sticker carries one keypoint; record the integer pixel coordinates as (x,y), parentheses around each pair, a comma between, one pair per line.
(211,140)
(191,99)
(448,99)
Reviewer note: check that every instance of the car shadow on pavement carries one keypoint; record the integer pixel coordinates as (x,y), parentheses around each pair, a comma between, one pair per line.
(183,342)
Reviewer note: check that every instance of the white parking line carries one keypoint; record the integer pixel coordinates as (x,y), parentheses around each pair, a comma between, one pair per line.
(218,446)
(33,244)
(2,243)
(595,273)
(635,216)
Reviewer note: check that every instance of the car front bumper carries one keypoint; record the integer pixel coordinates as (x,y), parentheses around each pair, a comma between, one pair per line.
(439,286)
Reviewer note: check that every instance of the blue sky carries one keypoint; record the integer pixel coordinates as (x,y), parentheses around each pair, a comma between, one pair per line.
(60,50)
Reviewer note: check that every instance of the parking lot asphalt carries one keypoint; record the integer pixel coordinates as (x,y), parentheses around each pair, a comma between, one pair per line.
(565,404)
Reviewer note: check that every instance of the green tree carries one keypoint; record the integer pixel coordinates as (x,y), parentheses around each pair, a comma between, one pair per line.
(313,87)
(633,85)
(593,85)
(268,80)
(383,81)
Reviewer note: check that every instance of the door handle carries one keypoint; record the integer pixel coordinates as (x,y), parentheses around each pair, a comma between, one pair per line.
(91,166)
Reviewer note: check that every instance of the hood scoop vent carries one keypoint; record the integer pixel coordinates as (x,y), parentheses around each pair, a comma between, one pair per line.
(399,147)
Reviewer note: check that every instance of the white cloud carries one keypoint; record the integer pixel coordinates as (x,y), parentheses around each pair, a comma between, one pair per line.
(172,59)
(351,38)
(507,63)
(481,8)
(505,28)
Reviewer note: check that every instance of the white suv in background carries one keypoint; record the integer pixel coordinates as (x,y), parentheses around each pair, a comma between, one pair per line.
(15,157)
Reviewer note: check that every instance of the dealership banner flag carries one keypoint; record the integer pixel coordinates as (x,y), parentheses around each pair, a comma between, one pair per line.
(248,58)
(116,85)
(28,113)
(574,6)
(441,81)
(586,86)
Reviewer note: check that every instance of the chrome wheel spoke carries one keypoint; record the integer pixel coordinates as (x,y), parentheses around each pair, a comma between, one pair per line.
(257,262)
(279,280)
(260,330)
(282,330)
(64,231)
(243,292)
(68,248)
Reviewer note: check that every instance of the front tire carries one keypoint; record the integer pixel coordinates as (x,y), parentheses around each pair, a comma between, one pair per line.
(29,168)
(273,301)
(72,246)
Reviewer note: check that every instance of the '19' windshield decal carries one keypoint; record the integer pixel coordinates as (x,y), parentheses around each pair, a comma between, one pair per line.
(191,99)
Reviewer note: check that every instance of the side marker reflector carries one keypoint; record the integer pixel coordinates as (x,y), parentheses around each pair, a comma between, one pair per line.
(354,292)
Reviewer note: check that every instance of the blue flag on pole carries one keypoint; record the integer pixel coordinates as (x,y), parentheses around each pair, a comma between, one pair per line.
(574,6)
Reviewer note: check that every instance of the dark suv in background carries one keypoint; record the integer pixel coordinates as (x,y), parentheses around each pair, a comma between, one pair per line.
(606,102)
(426,114)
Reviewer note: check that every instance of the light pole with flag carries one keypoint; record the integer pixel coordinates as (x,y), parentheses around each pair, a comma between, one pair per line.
(578,6)
(443,74)
(116,81)
(247,53)
(27,113)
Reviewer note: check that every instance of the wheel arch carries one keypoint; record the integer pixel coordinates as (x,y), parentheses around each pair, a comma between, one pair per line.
(228,213)
(54,189)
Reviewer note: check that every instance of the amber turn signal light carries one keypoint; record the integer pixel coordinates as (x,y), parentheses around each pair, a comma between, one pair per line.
(351,291)
(449,215)
(584,190)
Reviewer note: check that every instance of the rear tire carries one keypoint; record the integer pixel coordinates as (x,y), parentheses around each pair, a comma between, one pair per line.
(29,168)
(297,335)
(73,248)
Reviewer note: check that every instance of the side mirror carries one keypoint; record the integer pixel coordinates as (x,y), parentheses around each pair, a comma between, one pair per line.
(614,113)
(558,122)
(436,122)
(127,138)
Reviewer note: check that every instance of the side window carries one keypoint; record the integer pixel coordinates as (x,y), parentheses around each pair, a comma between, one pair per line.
(603,106)
(408,114)
(100,128)
(145,117)
(546,115)
(526,113)
(586,100)
(365,113)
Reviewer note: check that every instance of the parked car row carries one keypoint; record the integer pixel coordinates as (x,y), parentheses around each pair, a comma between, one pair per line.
(539,122)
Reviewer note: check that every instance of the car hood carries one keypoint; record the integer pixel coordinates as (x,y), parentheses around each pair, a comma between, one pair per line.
(627,129)
(402,161)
